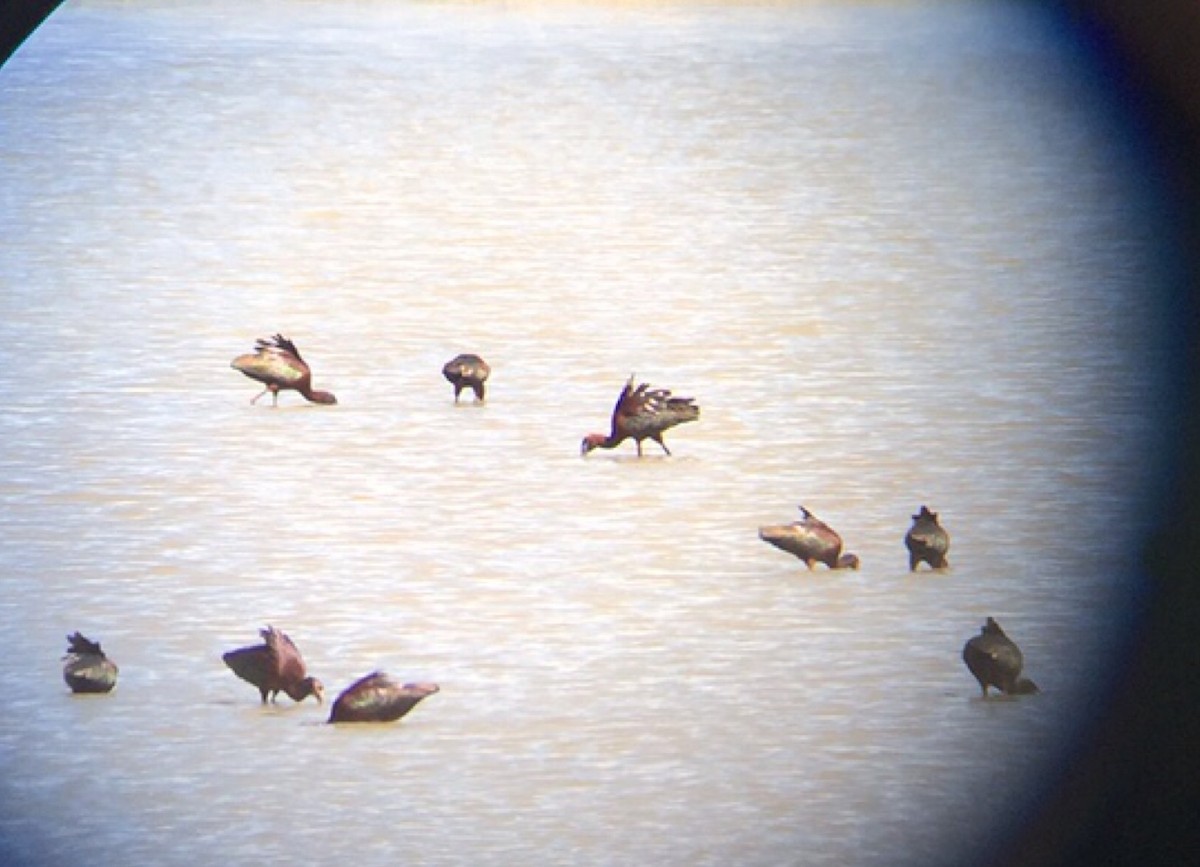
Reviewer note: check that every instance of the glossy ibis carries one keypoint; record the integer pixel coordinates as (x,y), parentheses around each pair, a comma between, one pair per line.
(927,541)
(378,698)
(467,371)
(87,669)
(277,364)
(810,539)
(643,413)
(996,661)
(275,666)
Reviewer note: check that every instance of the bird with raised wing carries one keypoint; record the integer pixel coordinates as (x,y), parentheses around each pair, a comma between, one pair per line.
(643,413)
(277,364)
(275,666)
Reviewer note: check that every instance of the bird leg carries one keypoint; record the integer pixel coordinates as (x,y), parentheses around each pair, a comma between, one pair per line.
(257,396)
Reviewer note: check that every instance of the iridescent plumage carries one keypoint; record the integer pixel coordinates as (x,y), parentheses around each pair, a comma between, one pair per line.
(86,667)
(643,413)
(810,539)
(378,698)
(277,364)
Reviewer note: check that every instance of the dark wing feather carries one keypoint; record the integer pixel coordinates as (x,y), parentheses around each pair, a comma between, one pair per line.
(628,403)
(645,411)
(288,663)
(251,664)
(78,644)
(280,343)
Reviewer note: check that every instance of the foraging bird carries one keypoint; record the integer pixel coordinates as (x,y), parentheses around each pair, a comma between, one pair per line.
(276,363)
(378,698)
(87,669)
(927,541)
(467,371)
(643,413)
(996,661)
(274,667)
(810,539)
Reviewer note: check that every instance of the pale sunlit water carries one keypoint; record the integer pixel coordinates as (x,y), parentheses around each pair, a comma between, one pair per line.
(896,253)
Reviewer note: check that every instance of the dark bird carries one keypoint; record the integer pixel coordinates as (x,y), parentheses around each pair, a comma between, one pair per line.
(467,371)
(996,661)
(87,669)
(643,413)
(276,363)
(378,698)
(810,539)
(927,540)
(274,667)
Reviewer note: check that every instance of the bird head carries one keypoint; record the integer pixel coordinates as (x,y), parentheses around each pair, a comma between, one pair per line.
(315,688)
(590,442)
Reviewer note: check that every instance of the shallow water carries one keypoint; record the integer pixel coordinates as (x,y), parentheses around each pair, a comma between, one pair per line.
(898,253)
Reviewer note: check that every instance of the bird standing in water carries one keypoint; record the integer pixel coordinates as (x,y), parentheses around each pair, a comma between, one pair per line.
(275,666)
(810,539)
(378,698)
(467,371)
(643,413)
(87,669)
(927,541)
(277,364)
(996,661)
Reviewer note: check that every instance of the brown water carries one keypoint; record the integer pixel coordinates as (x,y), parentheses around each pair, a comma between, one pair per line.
(893,251)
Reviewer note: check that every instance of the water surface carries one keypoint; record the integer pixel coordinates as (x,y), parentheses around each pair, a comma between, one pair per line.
(895,252)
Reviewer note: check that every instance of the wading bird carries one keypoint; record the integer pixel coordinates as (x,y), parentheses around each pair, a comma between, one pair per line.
(467,371)
(927,541)
(643,413)
(87,669)
(810,539)
(996,661)
(275,666)
(276,363)
(378,698)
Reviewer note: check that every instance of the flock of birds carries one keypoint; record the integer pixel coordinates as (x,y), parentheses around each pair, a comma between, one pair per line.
(641,413)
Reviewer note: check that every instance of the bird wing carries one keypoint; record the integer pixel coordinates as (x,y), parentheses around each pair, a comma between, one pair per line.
(362,699)
(78,644)
(644,410)
(289,664)
(376,697)
(272,366)
(278,343)
(251,664)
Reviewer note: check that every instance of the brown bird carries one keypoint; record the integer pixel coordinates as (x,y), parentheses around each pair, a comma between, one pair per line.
(996,661)
(643,413)
(87,669)
(378,698)
(927,541)
(276,363)
(810,539)
(467,371)
(274,667)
